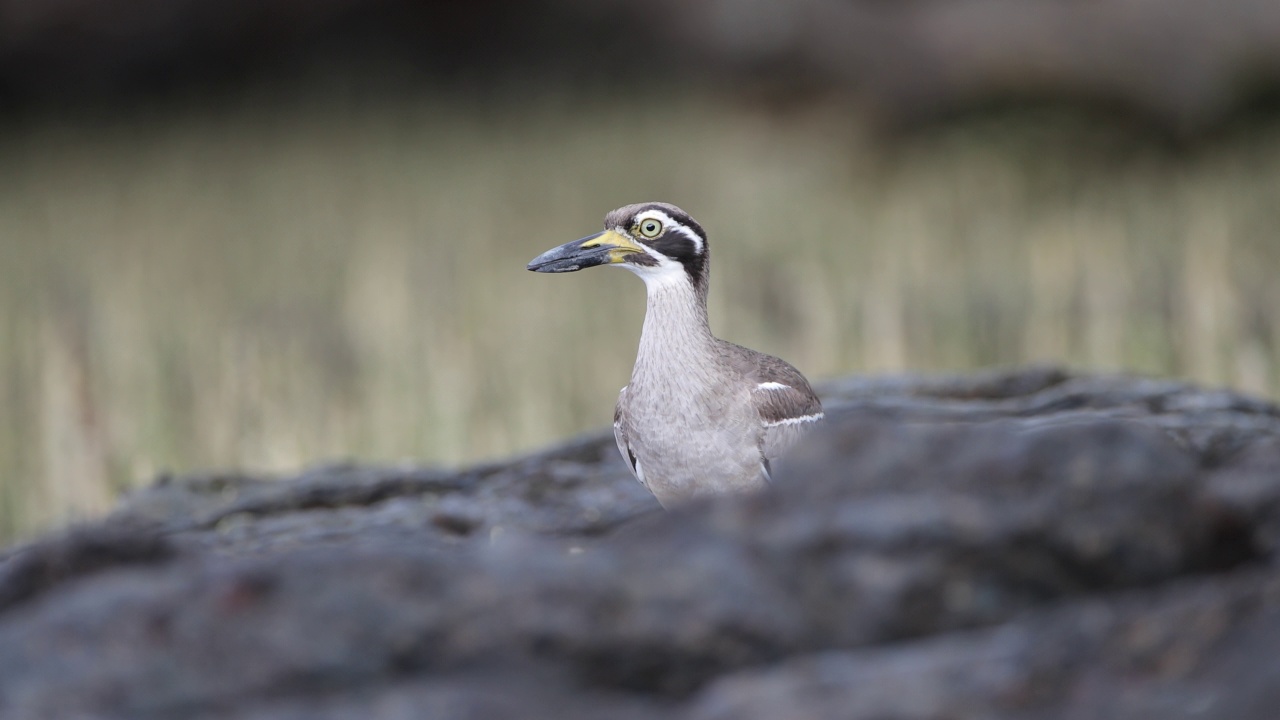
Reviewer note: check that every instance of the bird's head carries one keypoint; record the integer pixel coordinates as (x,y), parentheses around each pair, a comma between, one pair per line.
(657,241)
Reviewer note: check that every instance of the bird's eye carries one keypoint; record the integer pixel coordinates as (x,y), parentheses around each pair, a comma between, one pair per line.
(650,228)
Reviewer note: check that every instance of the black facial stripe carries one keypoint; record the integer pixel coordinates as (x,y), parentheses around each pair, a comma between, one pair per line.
(676,245)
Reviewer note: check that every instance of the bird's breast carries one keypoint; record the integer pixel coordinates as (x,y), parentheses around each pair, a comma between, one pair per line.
(692,441)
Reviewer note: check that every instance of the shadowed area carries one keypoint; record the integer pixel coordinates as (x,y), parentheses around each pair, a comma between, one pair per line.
(1009,545)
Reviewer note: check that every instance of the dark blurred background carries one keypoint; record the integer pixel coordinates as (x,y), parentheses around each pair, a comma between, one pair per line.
(266,234)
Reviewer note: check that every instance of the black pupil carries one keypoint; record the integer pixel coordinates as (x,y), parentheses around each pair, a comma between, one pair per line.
(650,227)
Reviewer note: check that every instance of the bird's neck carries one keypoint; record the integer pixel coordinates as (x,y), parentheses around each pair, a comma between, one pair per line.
(676,338)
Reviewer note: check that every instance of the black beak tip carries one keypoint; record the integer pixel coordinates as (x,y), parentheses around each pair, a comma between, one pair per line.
(550,266)
(569,258)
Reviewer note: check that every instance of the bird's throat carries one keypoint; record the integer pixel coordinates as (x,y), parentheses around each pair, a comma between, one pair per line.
(676,337)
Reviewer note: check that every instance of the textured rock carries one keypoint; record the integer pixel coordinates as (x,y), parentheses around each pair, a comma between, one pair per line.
(1017,545)
(1192,650)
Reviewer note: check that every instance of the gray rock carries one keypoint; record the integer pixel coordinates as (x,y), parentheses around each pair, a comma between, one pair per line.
(1017,544)
(1191,650)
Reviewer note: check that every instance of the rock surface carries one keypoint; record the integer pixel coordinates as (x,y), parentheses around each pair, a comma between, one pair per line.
(1025,544)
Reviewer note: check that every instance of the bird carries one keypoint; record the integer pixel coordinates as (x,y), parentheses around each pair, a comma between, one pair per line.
(700,416)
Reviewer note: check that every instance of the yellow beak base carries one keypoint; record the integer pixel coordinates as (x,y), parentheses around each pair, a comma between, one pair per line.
(604,248)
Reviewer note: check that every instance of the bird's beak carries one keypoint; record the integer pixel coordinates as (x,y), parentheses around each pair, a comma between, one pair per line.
(603,248)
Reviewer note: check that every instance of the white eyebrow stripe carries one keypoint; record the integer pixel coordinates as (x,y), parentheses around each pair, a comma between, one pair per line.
(657,215)
(772,386)
(693,236)
(796,420)
(670,223)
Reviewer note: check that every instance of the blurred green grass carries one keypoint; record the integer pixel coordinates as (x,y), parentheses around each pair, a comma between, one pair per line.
(277,281)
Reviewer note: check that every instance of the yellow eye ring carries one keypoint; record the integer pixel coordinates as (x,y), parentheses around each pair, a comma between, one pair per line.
(650,228)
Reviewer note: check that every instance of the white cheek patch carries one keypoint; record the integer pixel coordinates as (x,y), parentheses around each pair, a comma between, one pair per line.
(666,270)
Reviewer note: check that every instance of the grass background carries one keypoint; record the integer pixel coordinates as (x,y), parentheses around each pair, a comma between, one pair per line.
(269,281)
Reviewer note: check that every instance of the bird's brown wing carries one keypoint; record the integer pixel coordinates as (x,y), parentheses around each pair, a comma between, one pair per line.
(788,407)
